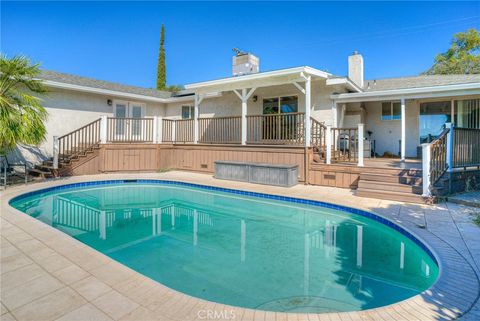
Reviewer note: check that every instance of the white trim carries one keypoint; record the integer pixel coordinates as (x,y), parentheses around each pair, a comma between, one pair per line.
(260,75)
(344,81)
(410,93)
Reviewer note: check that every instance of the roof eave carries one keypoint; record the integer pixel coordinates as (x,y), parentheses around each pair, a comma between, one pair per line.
(410,93)
(258,76)
(102,91)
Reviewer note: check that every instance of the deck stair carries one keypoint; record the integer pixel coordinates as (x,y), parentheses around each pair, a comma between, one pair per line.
(403,185)
(74,148)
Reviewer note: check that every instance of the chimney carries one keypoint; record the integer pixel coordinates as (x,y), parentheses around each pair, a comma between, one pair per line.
(355,68)
(244,63)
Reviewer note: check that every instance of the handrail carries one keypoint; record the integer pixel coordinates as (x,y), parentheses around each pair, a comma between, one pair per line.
(438,157)
(79,141)
(220,130)
(318,133)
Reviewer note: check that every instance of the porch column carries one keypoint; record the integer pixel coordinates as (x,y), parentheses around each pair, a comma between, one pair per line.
(361,141)
(402,148)
(198,100)
(244,116)
(335,114)
(244,96)
(308,106)
(328,144)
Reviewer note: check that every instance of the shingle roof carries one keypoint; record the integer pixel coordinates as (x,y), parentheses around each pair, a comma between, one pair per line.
(418,82)
(90,82)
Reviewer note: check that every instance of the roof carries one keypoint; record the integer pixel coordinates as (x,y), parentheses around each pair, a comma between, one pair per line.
(418,82)
(257,78)
(101,84)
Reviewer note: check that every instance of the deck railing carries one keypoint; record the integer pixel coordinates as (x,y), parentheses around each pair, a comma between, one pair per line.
(438,156)
(129,130)
(79,141)
(344,145)
(284,129)
(466,147)
(184,131)
(220,130)
(167,130)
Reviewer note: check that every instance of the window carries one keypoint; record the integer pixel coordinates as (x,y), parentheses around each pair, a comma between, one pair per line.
(288,104)
(391,110)
(188,112)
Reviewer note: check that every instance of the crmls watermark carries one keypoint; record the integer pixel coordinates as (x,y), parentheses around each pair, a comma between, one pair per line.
(214,314)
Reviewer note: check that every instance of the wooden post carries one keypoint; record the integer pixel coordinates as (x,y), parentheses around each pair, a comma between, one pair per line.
(55,152)
(426,155)
(103,129)
(328,144)
(155,130)
(403,143)
(308,106)
(361,140)
(160,129)
(244,116)
(174,129)
(198,100)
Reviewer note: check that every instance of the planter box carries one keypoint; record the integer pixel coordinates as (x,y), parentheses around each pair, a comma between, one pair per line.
(267,174)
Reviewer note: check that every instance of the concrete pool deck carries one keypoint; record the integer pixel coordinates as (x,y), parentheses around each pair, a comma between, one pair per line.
(47,275)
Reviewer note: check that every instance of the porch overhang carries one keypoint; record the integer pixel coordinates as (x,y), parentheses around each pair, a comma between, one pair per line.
(263,79)
(410,93)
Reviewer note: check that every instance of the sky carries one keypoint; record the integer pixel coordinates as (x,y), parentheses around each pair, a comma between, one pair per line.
(118,40)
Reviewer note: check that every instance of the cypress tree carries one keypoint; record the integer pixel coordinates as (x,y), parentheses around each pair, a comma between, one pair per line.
(161,68)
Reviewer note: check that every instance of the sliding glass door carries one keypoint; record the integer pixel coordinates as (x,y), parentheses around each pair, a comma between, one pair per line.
(467,113)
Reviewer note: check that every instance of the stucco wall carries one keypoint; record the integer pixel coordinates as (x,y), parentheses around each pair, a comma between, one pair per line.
(388,133)
(67,111)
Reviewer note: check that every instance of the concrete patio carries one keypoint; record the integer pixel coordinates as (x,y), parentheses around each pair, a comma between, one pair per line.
(47,275)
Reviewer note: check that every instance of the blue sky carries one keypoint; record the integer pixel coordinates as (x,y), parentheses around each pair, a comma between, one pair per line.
(118,41)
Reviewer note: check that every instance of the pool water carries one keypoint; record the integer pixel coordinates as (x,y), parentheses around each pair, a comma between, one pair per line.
(241,250)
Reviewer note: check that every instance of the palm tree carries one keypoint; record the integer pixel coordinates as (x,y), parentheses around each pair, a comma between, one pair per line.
(22,116)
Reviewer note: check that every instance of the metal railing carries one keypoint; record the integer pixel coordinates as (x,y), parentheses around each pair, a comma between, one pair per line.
(220,130)
(282,129)
(79,141)
(129,130)
(466,147)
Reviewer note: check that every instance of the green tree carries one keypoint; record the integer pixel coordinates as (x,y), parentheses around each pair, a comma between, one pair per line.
(22,116)
(161,67)
(463,56)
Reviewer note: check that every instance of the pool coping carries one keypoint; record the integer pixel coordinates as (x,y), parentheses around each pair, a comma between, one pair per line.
(454,293)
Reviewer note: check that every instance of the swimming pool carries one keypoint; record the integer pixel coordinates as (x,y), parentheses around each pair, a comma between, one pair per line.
(240,248)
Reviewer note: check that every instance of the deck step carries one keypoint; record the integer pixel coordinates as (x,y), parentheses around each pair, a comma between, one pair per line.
(404,179)
(35,172)
(391,196)
(388,186)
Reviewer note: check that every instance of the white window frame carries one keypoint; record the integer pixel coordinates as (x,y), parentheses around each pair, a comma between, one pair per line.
(191,111)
